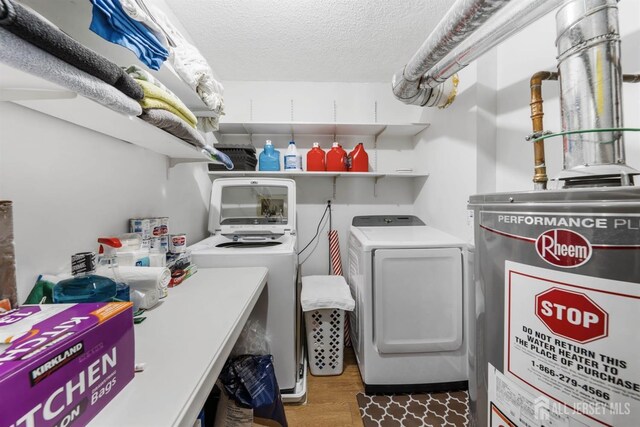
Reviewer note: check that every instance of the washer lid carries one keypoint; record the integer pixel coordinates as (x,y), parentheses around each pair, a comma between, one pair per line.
(405,237)
(255,206)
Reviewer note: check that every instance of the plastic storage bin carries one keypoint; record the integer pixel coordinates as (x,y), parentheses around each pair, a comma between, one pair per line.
(324,300)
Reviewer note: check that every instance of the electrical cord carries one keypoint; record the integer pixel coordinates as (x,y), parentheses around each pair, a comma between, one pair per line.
(328,208)
(330,228)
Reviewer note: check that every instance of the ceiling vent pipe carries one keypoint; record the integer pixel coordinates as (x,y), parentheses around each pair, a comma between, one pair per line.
(588,45)
(459,39)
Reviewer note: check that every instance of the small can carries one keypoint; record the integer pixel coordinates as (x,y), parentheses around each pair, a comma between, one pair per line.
(164,226)
(155,227)
(140,226)
(155,243)
(146,244)
(177,243)
(164,243)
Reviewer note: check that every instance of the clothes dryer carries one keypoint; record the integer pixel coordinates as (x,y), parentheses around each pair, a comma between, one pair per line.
(252,221)
(410,284)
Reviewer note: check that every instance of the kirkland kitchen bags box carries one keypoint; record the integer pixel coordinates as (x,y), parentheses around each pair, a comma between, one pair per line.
(60,364)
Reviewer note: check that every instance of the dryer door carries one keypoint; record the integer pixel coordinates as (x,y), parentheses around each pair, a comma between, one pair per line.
(417,298)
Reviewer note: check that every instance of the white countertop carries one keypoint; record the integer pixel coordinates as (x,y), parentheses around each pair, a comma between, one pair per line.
(184,343)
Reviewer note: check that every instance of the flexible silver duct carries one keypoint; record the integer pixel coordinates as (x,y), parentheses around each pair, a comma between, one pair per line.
(464,17)
(590,87)
(454,43)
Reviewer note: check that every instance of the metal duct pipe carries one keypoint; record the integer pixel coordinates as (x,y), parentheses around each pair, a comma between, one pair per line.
(455,43)
(590,88)
(464,17)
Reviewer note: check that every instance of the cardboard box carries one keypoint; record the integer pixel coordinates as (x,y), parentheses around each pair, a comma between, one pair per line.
(60,364)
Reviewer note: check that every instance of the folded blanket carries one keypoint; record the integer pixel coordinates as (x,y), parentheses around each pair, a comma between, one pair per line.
(187,61)
(154,97)
(110,22)
(138,73)
(29,26)
(22,55)
(173,124)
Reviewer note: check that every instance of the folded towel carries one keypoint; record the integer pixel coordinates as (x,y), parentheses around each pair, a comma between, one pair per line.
(322,292)
(187,61)
(173,124)
(110,22)
(154,97)
(29,26)
(24,56)
(138,73)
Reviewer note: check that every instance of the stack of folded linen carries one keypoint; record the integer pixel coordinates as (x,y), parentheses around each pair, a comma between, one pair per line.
(111,23)
(185,58)
(163,109)
(34,45)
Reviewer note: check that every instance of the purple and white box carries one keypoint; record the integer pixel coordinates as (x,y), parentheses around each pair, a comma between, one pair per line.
(62,363)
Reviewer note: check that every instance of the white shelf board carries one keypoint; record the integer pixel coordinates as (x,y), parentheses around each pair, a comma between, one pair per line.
(308,128)
(92,115)
(184,343)
(303,174)
(74,18)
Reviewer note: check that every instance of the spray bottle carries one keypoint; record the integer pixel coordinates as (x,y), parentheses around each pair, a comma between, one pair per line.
(108,265)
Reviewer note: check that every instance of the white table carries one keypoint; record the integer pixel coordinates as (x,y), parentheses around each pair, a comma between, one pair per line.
(184,343)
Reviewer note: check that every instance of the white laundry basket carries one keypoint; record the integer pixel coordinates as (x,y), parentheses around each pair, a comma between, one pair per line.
(324,300)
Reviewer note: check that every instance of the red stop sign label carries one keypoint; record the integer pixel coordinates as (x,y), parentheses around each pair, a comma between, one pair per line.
(572,315)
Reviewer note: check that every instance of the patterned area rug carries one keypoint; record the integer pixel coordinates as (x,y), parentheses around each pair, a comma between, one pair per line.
(432,409)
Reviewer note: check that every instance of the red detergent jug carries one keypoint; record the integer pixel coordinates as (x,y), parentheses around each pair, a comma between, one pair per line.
(358,160)
(336,159)
(315,158)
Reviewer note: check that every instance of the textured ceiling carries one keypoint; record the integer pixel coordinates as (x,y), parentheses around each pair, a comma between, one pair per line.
(308,40)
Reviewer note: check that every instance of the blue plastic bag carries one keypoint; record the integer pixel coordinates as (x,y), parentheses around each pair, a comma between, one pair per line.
(251,382)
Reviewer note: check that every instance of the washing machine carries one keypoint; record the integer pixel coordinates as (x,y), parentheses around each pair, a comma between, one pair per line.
(252,224)
(410,283)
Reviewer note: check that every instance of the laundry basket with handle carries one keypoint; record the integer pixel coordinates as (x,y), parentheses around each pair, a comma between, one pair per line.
(324,300)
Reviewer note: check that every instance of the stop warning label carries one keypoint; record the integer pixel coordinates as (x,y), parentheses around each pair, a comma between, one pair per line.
(572,339)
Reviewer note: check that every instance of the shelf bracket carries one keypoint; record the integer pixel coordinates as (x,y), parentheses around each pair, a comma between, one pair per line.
(375,185)
(174,162)
(375,148)
(11,94)
(334,187)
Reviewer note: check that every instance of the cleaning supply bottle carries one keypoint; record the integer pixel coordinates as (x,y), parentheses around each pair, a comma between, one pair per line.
(269,158)
(336,159)
(85,285)
(315,158)
(358,159)
(291,158)
(108,265)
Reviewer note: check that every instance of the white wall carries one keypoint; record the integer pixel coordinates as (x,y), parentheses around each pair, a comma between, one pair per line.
(70,185)
(534,50)
(354,103)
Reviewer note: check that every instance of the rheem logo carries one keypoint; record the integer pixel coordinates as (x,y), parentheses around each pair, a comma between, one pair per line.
(563,248)
(572,315)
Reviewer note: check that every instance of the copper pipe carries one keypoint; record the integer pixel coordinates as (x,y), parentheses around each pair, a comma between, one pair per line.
(540,178)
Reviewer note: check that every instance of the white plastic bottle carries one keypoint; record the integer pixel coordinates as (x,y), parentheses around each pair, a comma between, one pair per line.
(291,158)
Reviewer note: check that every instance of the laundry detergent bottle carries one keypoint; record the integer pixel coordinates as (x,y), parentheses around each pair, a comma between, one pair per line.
(292,162)
(269,158)
(315,159)
(85,285)
(358,159)
(336,159)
